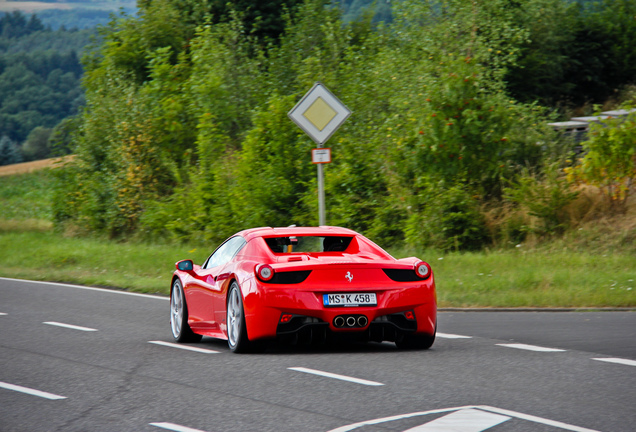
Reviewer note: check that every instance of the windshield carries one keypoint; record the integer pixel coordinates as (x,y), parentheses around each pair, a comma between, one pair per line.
(308,244)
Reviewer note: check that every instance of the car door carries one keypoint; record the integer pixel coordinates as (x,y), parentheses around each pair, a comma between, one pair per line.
(204,293)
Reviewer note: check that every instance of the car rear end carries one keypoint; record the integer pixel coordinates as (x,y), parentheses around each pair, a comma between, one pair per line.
(332,297)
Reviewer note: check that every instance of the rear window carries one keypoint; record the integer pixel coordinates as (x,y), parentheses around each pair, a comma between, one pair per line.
(308,244)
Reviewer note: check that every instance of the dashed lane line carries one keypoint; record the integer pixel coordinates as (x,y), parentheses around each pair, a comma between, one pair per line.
(617,360)
(452,336)
(336,376)
(70,326)
(184,347)
(531,347)
(30,391)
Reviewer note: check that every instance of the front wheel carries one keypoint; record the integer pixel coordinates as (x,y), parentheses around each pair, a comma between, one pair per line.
(181,331)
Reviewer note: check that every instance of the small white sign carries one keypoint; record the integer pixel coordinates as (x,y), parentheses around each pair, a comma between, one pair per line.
(319,113)
(321,155)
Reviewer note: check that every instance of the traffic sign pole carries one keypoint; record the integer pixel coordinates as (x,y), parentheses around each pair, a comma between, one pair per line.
(321,197)
(321,156)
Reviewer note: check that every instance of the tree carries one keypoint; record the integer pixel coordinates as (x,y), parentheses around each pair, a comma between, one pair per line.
(39,76)
(577,52)
(128,41)
(198,115)
(273,175)
(36,145)
(264,19)
(543,72)
(61,140)
(9,151)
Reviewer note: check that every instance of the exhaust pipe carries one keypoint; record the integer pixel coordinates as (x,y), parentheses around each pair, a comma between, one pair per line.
(352,321)
(339,321)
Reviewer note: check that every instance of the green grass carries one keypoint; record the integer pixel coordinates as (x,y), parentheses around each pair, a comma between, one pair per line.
(590,267)
(26,196)
(535,279)
(496,279)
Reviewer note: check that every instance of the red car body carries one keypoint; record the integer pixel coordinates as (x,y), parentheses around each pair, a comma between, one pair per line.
(343,285)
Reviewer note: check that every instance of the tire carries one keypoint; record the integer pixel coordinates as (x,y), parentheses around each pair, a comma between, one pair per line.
(416,341)
(181,331)
(236,330)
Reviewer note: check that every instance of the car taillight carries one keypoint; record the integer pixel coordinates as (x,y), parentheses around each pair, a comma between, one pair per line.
(264,272)
(423,270)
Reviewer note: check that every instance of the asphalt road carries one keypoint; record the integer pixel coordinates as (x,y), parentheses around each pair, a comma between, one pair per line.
(75,359)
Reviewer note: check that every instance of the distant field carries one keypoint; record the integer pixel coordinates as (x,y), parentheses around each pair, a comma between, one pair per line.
(27,167)
(36,6)
(31,6)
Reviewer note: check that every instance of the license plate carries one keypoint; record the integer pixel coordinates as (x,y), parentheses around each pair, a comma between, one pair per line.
(349,299)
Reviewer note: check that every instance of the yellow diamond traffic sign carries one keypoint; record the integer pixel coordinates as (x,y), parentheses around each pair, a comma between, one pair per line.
(319,113)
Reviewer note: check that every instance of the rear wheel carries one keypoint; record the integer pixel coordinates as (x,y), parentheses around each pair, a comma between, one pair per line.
(236,330)
(416,341)
(181,331)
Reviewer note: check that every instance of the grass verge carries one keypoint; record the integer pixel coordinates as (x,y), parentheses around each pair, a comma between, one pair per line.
(49,256)
(497,279)
(535,278)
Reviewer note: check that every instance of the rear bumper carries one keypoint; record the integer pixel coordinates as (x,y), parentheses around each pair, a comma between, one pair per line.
(307,330)
(265,305)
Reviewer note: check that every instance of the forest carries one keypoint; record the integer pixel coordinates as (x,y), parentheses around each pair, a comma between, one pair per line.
(40,73)
(185,133)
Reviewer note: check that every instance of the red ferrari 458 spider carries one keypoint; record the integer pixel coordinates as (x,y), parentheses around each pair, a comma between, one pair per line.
(303,285)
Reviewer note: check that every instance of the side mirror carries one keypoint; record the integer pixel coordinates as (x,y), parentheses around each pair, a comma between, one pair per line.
(185,265)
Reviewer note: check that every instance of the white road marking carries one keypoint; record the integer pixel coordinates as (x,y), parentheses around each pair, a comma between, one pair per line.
(353,426)
(336,376)
(466,420)
(2,313)
(536,419)
(111,291)
(504,412)
(31,391)
(184,347)
(174,427)
(69,326)
(617,360)
(452,336)
(531,347)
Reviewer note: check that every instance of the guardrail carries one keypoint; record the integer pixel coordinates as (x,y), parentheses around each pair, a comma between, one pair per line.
(578,127)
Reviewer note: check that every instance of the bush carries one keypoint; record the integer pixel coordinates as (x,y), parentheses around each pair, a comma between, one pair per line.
(451,220)
(544,197)
(610,160)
